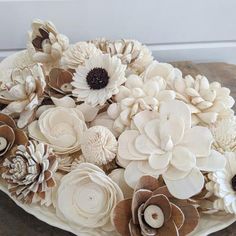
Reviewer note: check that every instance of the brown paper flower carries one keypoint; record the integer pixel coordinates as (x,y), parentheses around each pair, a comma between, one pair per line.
(30,172)
(154,211)
(10,135)
(59,82)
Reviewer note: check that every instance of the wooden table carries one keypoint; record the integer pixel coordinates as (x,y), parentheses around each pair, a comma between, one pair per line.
(15,222)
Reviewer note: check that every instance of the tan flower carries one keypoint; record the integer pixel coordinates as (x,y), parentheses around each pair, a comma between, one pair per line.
(154,211)
(30,171)
(45,44)
(131,52)
(24,93)
(10,135)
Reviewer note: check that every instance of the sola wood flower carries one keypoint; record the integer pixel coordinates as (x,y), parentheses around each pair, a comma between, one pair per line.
(167,145)
(135,96)
(30,171)
(99,145)
(98,79)
(10,135)
(207,101)
(154,211)
(78,53)
(224,133)
(222,184)
(86,198)
(132,53)
(45,44)
(60,127)
(24,93)
(59,82)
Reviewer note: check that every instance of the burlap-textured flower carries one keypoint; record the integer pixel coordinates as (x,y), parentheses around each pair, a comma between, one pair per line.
(24,93)
(30,172)
(154,211)
(45,44)
(10,135)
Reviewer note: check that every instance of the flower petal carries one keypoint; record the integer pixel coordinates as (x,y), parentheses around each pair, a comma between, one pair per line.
(159,161)
(192,184)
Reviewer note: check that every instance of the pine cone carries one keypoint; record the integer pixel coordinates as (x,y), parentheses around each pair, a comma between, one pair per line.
(30,172)
(154,211)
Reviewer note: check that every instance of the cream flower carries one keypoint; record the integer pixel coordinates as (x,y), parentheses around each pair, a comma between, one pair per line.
(169,146)
(224,133)
(207,101)
(60,127)
(98,145)
(132,53)
(45,44)
(87,197)
(78,53)
(223,185)
(98,79)
(135,96)
(24,93)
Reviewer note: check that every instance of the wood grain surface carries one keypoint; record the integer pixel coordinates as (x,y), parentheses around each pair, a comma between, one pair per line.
(15,222)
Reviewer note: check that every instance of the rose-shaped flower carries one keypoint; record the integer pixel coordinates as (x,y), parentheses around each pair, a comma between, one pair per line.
(45,44)
(154,211)
(87,197)
(10,135)
(167,145)
(60,127)
(135,96)
(132,53)
(24,93)
(207,101)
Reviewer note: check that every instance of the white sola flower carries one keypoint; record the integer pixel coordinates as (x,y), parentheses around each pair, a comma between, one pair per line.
(223,185)
(167,145)
(98,79)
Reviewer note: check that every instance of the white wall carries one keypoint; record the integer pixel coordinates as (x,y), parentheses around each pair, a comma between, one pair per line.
(199,30)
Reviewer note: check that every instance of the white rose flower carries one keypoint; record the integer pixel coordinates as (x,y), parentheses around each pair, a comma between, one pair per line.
(167,145)
(86,198)
(60,127)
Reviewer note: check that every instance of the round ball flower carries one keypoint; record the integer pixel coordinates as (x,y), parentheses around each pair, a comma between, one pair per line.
(154,211)
(87,197)
(30,171)
(223,185)
(99,145)
(78,53)
(60,127)
(99,79)
(165,144)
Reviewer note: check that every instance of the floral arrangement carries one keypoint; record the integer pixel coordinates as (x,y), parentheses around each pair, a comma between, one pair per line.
(110,141)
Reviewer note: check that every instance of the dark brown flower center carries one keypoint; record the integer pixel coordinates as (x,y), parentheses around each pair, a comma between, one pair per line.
(154,216)
(233,182)
(97,78)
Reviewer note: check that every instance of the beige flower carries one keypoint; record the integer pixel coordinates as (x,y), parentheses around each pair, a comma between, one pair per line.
(224,133)
(99,79)
(99,145)
(60,127)
(132,53)
(207,101)
(30,172)
(78,53)
(86,198)
(135,96)
(45,44)
(24,93)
